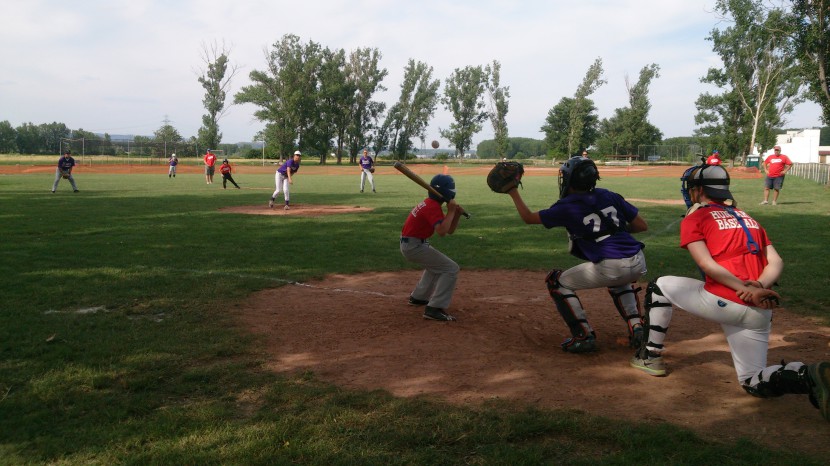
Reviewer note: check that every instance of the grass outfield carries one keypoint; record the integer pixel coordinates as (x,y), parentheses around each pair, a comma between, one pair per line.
(117,347)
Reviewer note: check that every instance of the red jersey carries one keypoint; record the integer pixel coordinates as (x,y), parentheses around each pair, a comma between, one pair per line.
(225,168)
(775,164)
(727,243)
(423,219)
(210,160)
(713,159)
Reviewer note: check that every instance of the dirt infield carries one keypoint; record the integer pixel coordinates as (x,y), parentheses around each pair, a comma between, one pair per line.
(359,332)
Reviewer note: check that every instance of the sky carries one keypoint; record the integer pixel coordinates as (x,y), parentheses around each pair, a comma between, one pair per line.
(126,67)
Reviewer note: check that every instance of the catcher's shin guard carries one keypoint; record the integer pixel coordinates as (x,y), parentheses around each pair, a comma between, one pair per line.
(628,306)
(779,380)
(569,306)
(652,344)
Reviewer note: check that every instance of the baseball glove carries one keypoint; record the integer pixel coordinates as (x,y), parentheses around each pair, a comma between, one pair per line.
(505,176)
(65,175)
(372,170)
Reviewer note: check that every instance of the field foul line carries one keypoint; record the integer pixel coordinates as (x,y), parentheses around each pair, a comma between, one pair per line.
(282,280)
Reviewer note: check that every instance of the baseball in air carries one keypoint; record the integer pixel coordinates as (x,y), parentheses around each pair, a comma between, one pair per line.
(435,144)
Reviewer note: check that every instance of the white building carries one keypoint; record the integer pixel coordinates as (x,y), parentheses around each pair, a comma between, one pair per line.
(801,146)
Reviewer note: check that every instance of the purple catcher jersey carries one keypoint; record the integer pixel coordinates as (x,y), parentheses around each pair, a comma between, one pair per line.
(596,223)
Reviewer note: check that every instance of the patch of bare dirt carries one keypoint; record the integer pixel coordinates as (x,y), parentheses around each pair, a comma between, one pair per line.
(359,332)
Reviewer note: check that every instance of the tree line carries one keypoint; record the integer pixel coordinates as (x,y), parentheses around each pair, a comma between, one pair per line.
(323,100)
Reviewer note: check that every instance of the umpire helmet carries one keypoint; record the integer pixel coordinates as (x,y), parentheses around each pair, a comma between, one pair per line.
(579,173)
(445,185)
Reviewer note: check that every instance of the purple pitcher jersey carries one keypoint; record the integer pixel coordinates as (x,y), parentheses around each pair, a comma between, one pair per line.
(596,222)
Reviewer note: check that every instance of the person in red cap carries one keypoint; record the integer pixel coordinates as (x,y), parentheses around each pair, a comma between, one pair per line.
(714,159)
(776,166)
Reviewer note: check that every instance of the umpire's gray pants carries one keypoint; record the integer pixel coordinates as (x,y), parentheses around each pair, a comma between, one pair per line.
(58,176)
(437,283)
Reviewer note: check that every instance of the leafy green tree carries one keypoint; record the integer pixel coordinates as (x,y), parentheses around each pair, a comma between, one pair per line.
(364,70)
(216,80)
(167,134)
(464,98)
(759,81)
(581,107)
(629,128)
(51,135)
(810,26)
(498,98)
(337,94)
(285,94)
(8,138)
(409,117)
(558,123)
(28,139)
(516,148)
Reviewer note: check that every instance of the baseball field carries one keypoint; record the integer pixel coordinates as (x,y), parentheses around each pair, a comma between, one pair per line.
(156,320)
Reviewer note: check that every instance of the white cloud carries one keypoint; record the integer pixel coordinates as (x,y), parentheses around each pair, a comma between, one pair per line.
(123,66)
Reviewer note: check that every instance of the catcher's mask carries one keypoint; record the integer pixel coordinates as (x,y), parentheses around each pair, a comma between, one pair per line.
(579,173)
(714,180)
(445,185)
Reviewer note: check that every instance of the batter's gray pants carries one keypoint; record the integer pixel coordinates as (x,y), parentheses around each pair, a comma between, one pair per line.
(437,283)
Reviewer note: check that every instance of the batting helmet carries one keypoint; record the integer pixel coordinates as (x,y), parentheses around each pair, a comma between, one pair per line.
(579,173)
(445,185)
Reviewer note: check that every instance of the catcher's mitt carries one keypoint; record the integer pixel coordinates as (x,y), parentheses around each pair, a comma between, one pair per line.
(505,176)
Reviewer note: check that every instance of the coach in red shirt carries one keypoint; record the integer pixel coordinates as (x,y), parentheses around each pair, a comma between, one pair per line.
(776,166)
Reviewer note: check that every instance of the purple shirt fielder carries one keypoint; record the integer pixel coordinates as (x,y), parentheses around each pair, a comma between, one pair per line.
(367,168)
(283,178)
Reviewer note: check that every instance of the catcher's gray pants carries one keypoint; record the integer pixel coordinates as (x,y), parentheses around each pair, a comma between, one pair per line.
(437,283)
(746,328)
(58,179)
(365,173)
(606,273)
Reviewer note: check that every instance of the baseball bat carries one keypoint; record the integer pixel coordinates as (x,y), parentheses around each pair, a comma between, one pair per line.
(401,167)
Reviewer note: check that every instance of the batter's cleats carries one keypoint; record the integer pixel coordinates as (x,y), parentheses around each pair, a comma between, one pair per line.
(580,345)
(434,313)
(417,302)
(819,374)
(271,203)
(650,365)
(635,339)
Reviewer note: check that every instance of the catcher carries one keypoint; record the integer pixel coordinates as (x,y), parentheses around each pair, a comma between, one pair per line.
(65,165)
(367,170)
(740,265)
(599,223)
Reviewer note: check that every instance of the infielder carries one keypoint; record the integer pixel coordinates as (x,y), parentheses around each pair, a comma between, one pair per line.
(367,170)
(437,283)
(64,170)
(283,178)
(599,224)
(173,162)
(739,264)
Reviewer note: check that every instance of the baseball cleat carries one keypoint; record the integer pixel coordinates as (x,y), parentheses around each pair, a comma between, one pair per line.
(286,207)
(434,313)
(271,203)
(580,345)
(819,374)
(651,366)
(417,302)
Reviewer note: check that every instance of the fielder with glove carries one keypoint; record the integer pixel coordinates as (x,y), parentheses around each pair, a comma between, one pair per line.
(740,265)
(64,171)
(599,224)
(367,170)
